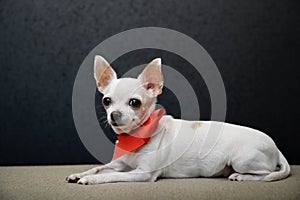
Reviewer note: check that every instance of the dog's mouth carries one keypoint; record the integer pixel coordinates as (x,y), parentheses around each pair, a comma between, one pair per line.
(115,124)
(124,127)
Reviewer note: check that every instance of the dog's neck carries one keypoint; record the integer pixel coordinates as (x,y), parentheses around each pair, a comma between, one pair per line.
(130,142)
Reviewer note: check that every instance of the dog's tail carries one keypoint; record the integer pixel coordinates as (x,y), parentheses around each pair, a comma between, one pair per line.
(282,173)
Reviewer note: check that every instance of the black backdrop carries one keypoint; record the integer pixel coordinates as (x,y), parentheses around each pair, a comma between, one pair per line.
(255,45)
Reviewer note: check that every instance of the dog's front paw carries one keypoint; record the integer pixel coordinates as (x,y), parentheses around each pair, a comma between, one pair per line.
(73,178)
(89,180)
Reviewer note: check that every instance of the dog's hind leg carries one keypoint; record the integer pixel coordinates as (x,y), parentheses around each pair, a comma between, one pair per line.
(253,166)
(246,177)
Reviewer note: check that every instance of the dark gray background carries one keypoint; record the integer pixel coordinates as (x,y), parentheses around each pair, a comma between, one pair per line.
(255,45)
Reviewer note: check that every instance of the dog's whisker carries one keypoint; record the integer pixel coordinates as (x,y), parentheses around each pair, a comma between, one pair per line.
(102,119)
(106,124)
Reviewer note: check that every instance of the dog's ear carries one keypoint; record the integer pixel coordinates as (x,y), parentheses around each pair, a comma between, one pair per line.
(152,77)
(103,73)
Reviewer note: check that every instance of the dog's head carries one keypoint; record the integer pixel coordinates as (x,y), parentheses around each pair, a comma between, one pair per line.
(128,101)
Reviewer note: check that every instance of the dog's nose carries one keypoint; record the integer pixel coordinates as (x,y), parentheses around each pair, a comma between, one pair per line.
(115,116)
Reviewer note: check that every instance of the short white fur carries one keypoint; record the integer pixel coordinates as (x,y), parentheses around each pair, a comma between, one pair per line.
(239,153)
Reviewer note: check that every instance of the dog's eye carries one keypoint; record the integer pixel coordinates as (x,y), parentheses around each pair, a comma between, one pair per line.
(106,101)
(134,103)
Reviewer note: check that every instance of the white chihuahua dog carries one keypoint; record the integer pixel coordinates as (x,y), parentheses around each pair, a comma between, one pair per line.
(152,145)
